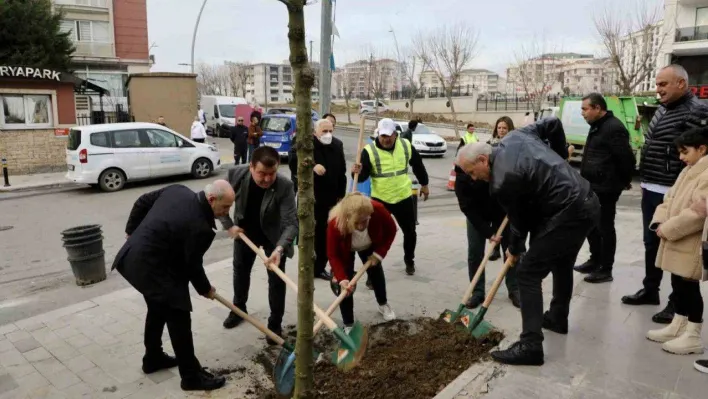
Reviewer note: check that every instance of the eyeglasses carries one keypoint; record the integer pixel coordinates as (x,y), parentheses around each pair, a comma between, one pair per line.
(240,120)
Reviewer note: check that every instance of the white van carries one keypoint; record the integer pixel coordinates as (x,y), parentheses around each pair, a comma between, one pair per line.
(220,113)
(112,154)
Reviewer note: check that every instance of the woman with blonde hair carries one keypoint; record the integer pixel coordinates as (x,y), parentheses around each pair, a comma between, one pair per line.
(362,225)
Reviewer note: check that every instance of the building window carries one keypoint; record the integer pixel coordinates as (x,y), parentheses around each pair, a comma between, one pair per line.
(25,111)
(87,31)
(702,16)
(274,99)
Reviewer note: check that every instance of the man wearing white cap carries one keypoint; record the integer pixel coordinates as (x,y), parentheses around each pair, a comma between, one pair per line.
(386,162)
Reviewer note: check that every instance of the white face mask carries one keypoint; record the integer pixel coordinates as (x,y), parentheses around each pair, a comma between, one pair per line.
(326,139)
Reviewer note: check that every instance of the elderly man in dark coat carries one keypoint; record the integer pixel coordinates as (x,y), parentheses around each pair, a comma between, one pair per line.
(168,232)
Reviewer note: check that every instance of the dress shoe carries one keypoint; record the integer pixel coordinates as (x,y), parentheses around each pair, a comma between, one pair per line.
(202,381)
(158,362)
(515,299)
(410,268)
(665,316)
(496,254)
(701,365)
(324,276)
(474,302)
(278,331)
(520,354)
(553,325)
(587,267)
(599,276)
(642,297)
(232,320)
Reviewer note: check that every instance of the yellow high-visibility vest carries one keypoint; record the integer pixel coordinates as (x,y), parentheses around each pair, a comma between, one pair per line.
(389,171)
(469,138)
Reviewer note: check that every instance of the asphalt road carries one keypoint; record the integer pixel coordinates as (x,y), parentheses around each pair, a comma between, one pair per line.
(35,276)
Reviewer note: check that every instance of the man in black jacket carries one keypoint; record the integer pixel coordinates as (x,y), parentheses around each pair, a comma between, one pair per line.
(608,163)
(330,185)
(168,232)
(659,167)
(239,136)
(545,197)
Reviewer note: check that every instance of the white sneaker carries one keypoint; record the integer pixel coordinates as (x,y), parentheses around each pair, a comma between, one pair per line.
(387,312)
(348,329)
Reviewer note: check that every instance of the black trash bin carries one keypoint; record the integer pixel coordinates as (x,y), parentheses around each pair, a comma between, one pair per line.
(84,245)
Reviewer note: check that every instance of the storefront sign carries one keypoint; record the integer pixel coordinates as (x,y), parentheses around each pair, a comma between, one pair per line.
(61,132)
(700,91)
(29,72)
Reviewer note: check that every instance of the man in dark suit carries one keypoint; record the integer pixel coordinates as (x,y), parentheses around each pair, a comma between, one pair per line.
(265,212)
(330,185)
(168,232)
(239,136)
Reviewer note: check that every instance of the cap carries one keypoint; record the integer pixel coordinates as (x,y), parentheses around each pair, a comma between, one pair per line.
(387,127)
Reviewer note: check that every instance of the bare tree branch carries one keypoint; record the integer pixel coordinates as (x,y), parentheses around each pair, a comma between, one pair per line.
(347,81)
(536,71)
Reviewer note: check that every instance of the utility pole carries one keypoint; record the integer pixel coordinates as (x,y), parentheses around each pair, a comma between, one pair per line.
(194,35)
(325,53)
(310,51)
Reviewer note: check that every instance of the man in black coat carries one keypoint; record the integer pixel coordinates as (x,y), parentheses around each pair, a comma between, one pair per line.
(168,232)
(546,198)
(239,136)
(659,167)
(330,185)
(608,163)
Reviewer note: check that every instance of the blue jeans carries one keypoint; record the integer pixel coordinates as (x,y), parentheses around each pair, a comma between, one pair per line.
(653,274)
(251,148)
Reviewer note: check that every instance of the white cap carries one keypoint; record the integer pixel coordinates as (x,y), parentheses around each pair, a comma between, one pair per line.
(387,127)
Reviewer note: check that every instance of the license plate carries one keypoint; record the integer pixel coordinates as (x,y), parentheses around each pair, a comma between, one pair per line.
(71,167)
(273,145)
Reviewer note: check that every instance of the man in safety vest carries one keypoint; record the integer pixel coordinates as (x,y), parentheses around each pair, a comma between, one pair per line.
(469,136)
(386,161)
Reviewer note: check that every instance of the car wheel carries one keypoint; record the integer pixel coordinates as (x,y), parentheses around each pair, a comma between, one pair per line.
(202,168)
(111,180)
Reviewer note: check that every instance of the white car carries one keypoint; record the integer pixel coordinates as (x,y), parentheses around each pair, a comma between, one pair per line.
(369,107)
(112,154)
(426,141)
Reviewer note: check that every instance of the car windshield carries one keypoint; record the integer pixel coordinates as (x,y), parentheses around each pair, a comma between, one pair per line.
(275,125)
(227,110)
(422,129)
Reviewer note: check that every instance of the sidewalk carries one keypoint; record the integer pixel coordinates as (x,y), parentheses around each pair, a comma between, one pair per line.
(93,349)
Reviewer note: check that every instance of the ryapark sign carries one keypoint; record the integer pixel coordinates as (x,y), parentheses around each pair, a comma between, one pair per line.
(29,72)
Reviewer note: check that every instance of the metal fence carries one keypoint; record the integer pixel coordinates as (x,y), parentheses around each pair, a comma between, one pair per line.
(434,92)
(501,103)
(101,117)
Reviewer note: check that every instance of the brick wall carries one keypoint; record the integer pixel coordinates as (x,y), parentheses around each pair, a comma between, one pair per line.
(131,32)
(33,151)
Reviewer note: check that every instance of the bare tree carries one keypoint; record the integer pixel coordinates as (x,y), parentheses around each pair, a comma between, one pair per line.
(304,80)
(535,72)
(346,80)
(413,77)
(632,39)
(447,51)
(239,75)
(213,80)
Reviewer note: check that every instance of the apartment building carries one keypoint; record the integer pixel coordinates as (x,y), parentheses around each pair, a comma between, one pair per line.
(111,40)
(480,80)
(365,77)
(634,50)
(686,40)
(585,76)
(274,83)
(540,74)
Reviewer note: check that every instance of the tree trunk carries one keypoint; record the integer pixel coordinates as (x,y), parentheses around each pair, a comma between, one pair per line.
(349,111)
(454,115)
(304,80)
(410,110)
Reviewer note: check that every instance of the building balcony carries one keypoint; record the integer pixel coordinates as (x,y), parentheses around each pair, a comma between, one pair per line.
(691,41)
(87,5)
(94,50)
(691,33)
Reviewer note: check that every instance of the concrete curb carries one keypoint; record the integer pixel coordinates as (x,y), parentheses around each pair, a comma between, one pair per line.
(472,383)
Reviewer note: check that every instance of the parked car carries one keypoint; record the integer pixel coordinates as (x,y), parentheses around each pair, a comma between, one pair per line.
(369,106)
(110,155)
(290,111)
(278,132)
(426,141)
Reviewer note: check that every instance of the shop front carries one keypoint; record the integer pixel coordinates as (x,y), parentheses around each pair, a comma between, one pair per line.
(697,68)
(37,108)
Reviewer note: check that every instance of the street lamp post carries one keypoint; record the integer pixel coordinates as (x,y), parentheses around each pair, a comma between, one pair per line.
(194,35)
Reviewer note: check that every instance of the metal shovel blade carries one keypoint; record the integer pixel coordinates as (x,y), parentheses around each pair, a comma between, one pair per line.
(351,347)
(450,316)
(284,373)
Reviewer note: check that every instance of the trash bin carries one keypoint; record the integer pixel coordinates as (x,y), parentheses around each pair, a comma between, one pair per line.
(84,245)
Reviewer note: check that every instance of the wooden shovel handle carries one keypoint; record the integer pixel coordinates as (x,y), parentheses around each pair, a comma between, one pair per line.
(256,323)
(482,265)
(290,283)
(362,123)
(495,287)
(341,296)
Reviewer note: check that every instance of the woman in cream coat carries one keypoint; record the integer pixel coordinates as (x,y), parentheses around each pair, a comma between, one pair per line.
(680,229)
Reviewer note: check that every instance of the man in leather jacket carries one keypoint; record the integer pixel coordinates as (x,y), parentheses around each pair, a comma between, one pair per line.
(659,167)
(546,198)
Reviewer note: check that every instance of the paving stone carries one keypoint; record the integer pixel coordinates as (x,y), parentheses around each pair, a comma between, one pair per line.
(12,358)
(20,370)
(66,332)
(37,355)
(161,376)
(31,382)
(98,379)
(63,379)
(7,328)
(27,344)
(7,383)
(49,366)
(45,336)
(78,364)
(18,335)
(5,345)
(78,341)
(79,390)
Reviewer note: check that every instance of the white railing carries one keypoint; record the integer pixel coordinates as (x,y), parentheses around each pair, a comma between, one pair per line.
(94,49)
(83,3)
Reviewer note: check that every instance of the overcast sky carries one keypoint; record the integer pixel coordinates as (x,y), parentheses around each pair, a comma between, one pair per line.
(256,30)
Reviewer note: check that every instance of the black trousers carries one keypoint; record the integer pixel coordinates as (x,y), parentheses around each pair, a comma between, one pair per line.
(244,258)
(653,274)
(404,213)
(378,280)
(603,238)
(554,252)
(688,300)
(240,155)
(198,140)
(476,244)
(179,325)
(321,215)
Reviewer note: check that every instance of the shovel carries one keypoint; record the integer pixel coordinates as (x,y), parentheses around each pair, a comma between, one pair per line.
(477,325)
(355,178)
(451,316)
(283,373)
(341,297)
(352,347)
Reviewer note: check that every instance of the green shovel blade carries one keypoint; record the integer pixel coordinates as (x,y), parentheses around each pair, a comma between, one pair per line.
(465,319)
(450,316)
(351,347)
(482,329)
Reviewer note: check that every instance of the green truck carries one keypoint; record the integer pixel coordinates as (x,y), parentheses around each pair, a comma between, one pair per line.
(634,112)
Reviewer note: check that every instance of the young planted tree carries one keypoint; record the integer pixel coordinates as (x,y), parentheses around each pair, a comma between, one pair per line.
(632,39)
(31,35)
(447,51)
(413,78)
(304,80)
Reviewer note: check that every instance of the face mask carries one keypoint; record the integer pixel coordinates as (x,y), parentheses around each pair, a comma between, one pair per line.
(326,139)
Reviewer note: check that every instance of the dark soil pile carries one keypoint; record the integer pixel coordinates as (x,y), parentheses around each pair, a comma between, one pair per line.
(412,359)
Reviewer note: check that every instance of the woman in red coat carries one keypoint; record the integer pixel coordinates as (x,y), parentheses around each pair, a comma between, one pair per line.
(360,224)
